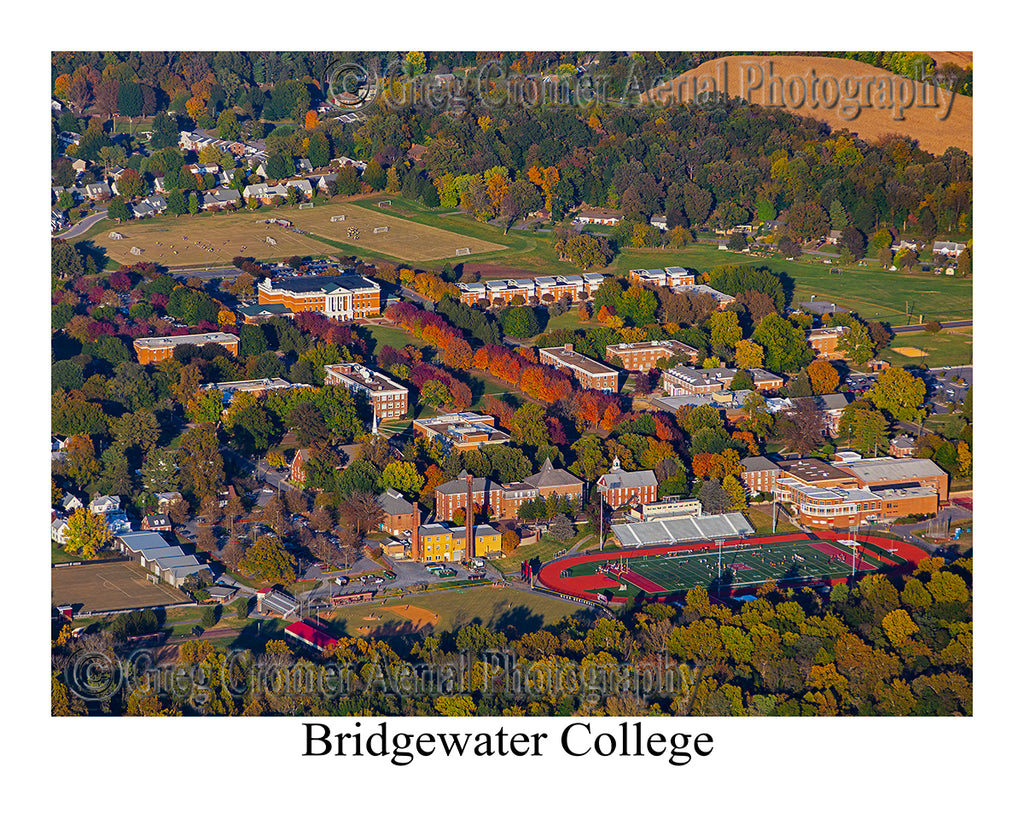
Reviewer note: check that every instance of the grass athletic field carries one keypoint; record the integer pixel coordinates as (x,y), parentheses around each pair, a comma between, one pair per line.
(667,572)
(109,586)
(215,239)
(404,238)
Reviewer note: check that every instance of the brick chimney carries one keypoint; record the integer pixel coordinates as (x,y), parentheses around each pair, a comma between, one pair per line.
(416,555)
(468,553)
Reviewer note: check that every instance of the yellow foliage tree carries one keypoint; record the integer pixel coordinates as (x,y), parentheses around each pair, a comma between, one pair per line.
(225,317)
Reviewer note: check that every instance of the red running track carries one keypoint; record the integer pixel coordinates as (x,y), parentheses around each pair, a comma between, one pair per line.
(583,585)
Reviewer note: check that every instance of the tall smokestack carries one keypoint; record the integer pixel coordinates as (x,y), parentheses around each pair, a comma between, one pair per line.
(469,518)
(416,554)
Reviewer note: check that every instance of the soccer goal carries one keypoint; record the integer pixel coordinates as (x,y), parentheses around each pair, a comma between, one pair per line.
(383,203)
(338,218)
(384,229)
(306,205)
(462,251)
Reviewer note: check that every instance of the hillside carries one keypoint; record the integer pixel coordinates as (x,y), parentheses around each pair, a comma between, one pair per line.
(933,120)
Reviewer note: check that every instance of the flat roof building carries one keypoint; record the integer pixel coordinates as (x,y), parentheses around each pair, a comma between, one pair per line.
(158,348)
(589,374)
(461,430)
(389,398)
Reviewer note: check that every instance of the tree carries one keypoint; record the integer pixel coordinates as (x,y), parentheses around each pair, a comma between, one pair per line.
(509,541)
(118,209)
(785,346)
(899,394)
(857,343)
(361,512)
(520,322)
(725,328)
(802,428)
(824,378)
(561,529)
(268,561)
(87,533)
(749,355)
(202,466)
(714,499)
(403,476)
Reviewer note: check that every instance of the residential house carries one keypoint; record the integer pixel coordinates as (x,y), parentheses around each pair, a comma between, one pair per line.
(156,523)
(220,198)
(660,221)
(902,446)
(953,249)
(597,216)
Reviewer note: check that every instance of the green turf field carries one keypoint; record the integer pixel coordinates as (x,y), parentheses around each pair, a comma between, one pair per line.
(736,567)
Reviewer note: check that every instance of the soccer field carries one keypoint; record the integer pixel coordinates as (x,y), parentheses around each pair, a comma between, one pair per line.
(671,571)
(735,567)
(109,586)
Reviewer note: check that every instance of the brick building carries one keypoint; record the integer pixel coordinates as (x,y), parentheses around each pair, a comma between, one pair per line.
(389,398)
(451,496)
(343,297)
(551,481)
(667,277)
(399,514)
(620,488)
(643,356)
(461,430)
(825,341)
(158,348)
(851,493)
(688,381)
(588,373)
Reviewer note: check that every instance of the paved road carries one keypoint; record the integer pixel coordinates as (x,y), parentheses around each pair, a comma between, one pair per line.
(83,226)
(204,272)
(916,328)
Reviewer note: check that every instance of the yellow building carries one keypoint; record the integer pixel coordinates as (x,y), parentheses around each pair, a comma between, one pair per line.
(435,542)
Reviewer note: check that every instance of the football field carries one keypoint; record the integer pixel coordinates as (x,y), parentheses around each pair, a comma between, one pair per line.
(725,567)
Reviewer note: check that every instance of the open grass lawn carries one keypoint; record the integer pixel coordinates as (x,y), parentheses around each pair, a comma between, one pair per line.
(570,321)
(495,608)
(946,348)
(404,239)
(392,336)
(206,239)
(524,250)
(762,523)
(544,549)
(873,293)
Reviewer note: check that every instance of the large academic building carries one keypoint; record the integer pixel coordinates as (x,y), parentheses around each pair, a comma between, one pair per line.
(344,297)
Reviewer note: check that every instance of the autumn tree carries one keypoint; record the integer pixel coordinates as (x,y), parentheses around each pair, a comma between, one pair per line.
(824,378)
(268,561)
(899,394)
(87,534)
